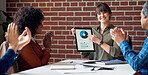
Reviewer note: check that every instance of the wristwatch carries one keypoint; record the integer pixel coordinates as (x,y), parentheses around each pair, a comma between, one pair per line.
(18,51)
(100,43)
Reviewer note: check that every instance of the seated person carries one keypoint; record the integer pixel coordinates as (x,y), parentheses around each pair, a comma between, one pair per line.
(15,45)
(32,54)
(138,61)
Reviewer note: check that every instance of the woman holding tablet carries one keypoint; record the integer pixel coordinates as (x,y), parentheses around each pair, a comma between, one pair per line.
(105,47)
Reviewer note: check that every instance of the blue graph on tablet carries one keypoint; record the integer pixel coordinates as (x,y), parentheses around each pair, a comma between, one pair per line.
(84,34)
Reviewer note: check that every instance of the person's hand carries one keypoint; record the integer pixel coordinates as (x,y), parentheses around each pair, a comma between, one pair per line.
(15,41)
(24,38)
(118,35)
(47,40)
(94,38)
(127,37)
(73,31)
(6,36)
(12,36)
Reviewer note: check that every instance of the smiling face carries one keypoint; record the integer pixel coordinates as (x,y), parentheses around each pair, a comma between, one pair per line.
(103,13)
(144,21)
(103,16)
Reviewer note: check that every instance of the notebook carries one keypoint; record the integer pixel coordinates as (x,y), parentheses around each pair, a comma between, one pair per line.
(105,62)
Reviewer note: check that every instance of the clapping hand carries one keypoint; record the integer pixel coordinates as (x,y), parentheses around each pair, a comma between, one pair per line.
(47,40)
(24,38)
(15,41)
(118,35)
(12,36)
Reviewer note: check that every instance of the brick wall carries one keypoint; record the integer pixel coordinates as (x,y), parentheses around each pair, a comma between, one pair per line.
(62,15)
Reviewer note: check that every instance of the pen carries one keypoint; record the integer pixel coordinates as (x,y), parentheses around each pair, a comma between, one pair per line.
(71,62)
(102,68)
(105,68)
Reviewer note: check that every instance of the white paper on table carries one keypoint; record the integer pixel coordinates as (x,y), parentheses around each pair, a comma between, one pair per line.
(62,67)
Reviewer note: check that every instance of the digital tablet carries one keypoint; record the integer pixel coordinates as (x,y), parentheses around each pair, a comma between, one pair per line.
(83,43)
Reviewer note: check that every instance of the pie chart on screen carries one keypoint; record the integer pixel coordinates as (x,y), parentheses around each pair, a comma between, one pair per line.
(84,34)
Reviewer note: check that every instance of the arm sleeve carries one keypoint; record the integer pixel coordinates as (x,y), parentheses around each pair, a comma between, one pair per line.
(45,58)
(136,60)
(34,55)
(7,61)
(114,50)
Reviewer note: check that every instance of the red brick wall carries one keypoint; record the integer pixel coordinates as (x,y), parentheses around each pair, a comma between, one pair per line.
(62,15)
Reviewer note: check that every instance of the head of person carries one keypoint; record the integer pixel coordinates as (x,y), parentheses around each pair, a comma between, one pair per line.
(103,12)
(29,17)
(144,16)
